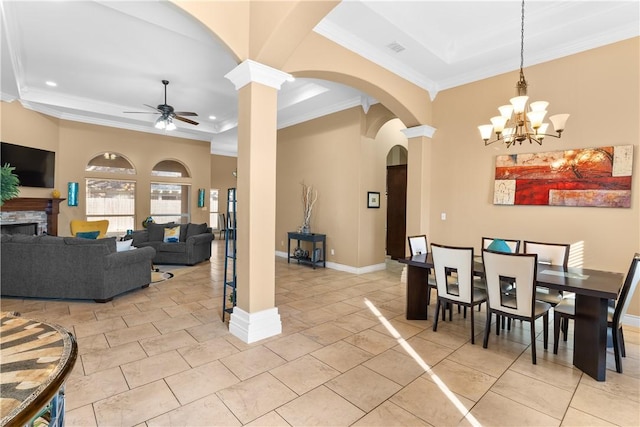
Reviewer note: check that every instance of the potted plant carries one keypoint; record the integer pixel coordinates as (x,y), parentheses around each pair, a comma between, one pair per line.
(9,184)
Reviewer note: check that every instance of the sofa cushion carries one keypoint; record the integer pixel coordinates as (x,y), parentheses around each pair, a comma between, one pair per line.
(156,231)
(178,247)
(109,243)
(24,238)
(195,229)
(6,238)
(171,234)
(88,234)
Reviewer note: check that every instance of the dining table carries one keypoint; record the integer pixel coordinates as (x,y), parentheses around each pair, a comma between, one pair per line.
(593,290)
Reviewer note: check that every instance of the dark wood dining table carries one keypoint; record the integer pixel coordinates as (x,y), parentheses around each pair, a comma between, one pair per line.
(593,289)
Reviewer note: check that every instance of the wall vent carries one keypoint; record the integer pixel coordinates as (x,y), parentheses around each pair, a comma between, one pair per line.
(396,47)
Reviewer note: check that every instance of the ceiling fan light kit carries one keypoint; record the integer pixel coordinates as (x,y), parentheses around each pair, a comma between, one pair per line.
(515,123)
(165,121)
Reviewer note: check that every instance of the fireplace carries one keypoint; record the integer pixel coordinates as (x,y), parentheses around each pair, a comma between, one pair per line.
(50,207)
(28,228)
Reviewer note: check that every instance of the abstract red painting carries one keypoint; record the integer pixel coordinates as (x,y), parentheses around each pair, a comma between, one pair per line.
(598,177)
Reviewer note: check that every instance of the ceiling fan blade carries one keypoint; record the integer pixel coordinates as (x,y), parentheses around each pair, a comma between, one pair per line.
(184,113)
(182,119)
(153,108)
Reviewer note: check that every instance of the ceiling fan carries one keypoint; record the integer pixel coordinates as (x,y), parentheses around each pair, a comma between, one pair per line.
(165,121)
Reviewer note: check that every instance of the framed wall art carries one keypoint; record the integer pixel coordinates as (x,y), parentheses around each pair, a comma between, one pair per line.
(599,177)
(373,199)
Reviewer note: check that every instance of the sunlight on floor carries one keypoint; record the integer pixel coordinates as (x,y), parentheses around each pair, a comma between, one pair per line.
(403,343)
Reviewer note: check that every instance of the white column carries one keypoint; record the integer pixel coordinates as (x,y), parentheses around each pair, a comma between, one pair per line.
(255,317)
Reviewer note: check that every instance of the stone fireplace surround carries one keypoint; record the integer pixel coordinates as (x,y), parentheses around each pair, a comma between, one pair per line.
(42,210)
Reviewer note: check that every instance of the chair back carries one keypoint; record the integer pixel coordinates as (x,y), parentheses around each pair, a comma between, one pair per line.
(627,291)
(79,225)
(549,253)
(519,269)
(514,245)
(417,244)
(448,260)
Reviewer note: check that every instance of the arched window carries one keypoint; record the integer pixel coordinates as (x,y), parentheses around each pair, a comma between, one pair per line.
(111,198)
(170,194)
(170,169)
(110,163)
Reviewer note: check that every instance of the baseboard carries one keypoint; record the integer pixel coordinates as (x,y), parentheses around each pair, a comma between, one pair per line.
(252,327)
(346,268)
(631,320)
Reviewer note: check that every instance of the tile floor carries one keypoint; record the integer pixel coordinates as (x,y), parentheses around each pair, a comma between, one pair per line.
(347,356)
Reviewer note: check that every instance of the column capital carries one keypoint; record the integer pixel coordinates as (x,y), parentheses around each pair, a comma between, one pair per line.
(252,71)
(416,131)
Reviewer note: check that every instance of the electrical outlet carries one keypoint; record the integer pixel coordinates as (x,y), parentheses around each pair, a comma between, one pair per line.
(282,243)
(333,252)
(443,216)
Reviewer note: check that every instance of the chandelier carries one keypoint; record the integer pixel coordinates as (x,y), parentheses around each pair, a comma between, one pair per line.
(516,122)
(165,122)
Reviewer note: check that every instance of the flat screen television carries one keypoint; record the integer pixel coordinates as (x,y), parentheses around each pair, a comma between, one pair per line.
(34,167)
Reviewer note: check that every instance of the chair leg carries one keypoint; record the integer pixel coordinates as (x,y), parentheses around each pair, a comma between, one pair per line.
(435,318)
(623,352)
(498,320)
(556,331)
(533,341)
(473,333)
(464,310)
(451,311)
(617,349)
(487,329)
(545,329)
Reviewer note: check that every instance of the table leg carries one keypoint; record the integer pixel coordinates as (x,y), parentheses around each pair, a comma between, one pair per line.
(289,251)
(313,254)
(417,293)
(590,336)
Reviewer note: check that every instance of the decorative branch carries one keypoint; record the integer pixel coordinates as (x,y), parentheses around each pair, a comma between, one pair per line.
(309,197)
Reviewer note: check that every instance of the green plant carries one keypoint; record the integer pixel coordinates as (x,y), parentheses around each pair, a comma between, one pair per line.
(9,184)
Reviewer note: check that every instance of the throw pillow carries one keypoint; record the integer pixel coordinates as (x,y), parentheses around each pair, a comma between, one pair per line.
(124,245)
(499,245)
(156,231)
(88,234)
(195,229)
(172,234)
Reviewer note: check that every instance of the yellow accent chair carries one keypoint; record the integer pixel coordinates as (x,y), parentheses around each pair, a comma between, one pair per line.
(79,226)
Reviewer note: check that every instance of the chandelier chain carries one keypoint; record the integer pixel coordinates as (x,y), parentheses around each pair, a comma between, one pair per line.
(522,39)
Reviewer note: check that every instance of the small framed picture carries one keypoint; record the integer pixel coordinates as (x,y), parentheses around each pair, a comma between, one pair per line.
(373,199)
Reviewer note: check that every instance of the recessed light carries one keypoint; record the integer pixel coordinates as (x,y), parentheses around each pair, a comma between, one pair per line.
(52,84)
(212,117)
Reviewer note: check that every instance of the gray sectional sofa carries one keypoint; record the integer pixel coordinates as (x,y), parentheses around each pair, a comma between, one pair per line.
(70,267)
(192,247)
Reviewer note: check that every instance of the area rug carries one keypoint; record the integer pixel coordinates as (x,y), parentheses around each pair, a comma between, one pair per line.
(166,272)
(160,276)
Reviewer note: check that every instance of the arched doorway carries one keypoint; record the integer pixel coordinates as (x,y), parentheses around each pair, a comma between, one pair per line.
(396,201)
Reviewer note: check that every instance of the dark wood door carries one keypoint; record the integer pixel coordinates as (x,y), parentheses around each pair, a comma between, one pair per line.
(396,210)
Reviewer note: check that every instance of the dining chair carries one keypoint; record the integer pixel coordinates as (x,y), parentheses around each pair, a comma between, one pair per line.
(514,245)
(417,246)
(552,254)
(463,292)
(519,304)
(566,310)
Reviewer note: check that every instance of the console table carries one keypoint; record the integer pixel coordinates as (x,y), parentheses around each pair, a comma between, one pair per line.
(313,259)
(37,358)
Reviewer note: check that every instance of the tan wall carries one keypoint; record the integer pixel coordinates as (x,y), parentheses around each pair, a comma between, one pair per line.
(77,143)
(333,155)
(222,178)
(599,88)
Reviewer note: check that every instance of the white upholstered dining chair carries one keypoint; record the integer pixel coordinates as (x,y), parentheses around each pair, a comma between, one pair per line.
(520,303)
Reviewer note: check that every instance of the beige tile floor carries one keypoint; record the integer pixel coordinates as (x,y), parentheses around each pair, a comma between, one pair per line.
(347,356)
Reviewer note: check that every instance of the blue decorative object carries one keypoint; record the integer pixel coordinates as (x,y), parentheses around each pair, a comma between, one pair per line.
(88,234)
(499,245)
(72,196)
(201,198)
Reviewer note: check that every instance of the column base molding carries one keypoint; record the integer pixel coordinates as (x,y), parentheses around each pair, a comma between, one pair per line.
(252,327)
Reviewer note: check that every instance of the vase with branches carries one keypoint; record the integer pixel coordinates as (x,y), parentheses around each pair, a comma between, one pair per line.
(309,197)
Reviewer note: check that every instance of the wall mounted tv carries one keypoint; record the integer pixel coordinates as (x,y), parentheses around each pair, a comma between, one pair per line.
(34,167)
